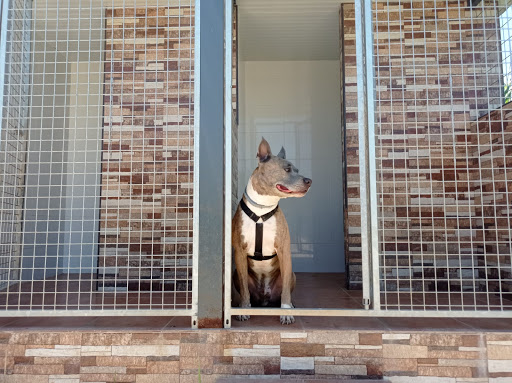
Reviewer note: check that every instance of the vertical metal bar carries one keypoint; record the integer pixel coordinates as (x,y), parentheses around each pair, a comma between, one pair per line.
(4,10)
(178,142)
(372,159)
(228,123)
(71,152)
(197,108)
(361,16)
(6,256)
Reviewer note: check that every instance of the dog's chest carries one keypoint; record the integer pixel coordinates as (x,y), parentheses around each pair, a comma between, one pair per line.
(269,235)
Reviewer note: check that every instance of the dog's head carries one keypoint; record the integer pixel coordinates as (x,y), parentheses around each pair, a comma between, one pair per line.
(276,176)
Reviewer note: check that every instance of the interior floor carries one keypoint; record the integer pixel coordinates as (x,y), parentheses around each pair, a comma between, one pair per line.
(79,292)
(325,290)
(313,290)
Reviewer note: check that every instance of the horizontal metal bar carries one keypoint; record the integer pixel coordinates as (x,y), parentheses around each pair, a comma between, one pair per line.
(370,313)
(96,313)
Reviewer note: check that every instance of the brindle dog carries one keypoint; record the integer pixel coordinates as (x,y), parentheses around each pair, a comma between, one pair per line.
(263,260)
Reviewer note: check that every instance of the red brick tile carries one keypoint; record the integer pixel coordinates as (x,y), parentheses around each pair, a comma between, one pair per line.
(127,361)
(39,369)
(301,350)
(370,338)
(454,372)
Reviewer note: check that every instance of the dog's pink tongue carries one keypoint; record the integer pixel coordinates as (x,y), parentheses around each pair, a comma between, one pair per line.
(283,189)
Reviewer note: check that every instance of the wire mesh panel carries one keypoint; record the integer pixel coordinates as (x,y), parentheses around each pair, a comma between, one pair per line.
(96,161)
(13,140)
(444,158)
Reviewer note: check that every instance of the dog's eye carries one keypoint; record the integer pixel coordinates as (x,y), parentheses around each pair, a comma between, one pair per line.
(288,169)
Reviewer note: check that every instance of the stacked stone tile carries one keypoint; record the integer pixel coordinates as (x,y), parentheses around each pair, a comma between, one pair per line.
(178,356)
(353,214)
(353,274)
(147,162)
(437,71)
(234,127)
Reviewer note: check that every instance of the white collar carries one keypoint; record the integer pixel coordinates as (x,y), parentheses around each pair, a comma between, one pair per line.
(259,204)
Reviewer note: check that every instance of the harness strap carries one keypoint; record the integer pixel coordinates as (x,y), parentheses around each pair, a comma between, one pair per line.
(259,239)
(258,246)
(261,257)
(253,215)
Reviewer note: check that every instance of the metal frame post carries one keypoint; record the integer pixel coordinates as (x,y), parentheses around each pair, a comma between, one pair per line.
(197,101)
(210,156)
(366,123)
(228,123)
(372,158)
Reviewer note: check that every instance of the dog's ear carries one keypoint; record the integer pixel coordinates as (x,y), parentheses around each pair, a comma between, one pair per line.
(282,153)
(264,151)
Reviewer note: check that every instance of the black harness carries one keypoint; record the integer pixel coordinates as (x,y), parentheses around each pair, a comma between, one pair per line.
(258,245)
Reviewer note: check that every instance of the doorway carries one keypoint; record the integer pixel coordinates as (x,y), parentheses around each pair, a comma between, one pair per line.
(289,78)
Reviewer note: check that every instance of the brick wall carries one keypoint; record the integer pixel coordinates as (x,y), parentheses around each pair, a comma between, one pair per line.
(147,161)
(177,356)
(437,69)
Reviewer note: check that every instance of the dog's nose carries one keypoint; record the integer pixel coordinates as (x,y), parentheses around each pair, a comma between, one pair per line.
(307,181)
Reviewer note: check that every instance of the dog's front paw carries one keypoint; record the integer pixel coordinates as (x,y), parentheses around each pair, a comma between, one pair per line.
(287,319)
(243,317)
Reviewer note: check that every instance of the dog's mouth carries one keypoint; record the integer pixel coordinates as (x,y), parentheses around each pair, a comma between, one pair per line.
(284,189)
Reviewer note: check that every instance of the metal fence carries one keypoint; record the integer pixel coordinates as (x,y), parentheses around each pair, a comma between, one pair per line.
(444,160)
(435,161)
(97,157)
(98,175)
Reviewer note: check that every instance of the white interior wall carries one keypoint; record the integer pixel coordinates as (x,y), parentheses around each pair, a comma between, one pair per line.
(63,174)
(42,229)
(296,104)
(83,168)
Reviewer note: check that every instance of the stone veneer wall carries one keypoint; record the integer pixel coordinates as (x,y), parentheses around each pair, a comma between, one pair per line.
(148,158)
(437,69)
(177,356)
(234,125)
(343,91)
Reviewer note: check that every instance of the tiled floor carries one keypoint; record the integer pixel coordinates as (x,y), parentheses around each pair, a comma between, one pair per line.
(325,290)
(255,323)
(259,323)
